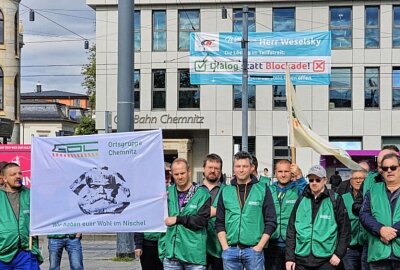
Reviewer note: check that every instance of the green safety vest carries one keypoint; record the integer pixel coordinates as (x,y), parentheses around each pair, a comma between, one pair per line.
(213,245)
(180,242)
(358,233)
(60,236)
(266,180)
(318,237)
(381,211)
(152,236)
(161,247)
(369,181)
(15,233)
(244,226)
(283,210)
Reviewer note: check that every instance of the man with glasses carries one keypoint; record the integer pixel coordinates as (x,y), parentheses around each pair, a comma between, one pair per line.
(352,259)
(319,229)
(380,215)
(285,193)
(212,171)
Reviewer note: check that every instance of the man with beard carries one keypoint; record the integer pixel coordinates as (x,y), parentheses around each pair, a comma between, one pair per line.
(285,193)
(188,214)
(212,171)
(246,217)
(15,251)
(319,228)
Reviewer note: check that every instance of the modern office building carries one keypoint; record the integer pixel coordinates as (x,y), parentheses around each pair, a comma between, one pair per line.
(358,110)
(10,51)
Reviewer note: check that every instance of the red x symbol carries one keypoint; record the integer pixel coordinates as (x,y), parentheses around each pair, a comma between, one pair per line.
(318,65)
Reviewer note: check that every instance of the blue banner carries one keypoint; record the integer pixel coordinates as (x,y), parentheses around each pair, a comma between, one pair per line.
(217,58)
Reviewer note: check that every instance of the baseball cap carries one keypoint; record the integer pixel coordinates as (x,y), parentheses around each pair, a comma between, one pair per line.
(317,170)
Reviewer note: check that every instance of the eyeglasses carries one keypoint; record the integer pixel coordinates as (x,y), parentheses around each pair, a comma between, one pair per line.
(358,178)
(386,168)
(316,180)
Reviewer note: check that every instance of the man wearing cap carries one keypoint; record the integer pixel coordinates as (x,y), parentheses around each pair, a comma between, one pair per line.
(146,244)
(319,228)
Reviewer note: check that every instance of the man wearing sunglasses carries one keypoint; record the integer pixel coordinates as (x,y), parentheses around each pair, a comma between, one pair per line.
(380,215)
(319,229)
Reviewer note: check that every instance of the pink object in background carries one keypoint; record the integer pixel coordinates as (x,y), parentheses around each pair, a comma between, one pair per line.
(20,154)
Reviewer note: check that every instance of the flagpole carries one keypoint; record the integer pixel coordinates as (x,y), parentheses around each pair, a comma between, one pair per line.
(291,120)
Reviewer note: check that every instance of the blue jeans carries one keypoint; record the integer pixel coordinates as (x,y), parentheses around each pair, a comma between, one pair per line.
(352,259)
(72,246)
(170,264)
(24,260)
(235,258)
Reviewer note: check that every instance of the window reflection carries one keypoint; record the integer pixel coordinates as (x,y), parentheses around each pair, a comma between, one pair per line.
(341,27)
(283,20)
(189,21)
(340,88)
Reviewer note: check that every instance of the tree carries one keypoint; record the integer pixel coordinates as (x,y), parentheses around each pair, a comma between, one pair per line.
(89,83)
(87,126)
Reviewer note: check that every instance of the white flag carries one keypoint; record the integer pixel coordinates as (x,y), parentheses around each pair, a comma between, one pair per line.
(301,134)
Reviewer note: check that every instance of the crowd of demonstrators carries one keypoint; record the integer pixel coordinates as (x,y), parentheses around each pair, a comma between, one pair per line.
(318,232)
(285,193)
(16,252)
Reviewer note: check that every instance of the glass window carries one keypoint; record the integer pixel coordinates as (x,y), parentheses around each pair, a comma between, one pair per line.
(283,20)
(189,21)
(347,143)
(77,102)
(136,26)
(237,97)
(281,148)
(1,27)
(136,87)
(238,20)
(1,89)
(251,144)
(396,88)
(340,88)
(396,26)
(372,27)
(279,96)
(159,30)
(16,31)
(341,27)
(188,94)
(371,86)
(391,141)
(159,93)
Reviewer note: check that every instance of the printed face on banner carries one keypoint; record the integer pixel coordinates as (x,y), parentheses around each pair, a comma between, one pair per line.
(101,191)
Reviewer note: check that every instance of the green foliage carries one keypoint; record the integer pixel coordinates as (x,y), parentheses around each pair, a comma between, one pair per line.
(86,127)
(89,71)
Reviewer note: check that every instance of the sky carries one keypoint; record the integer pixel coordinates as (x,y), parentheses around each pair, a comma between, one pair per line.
(53,55)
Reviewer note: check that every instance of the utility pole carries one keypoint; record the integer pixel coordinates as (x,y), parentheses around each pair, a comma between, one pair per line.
(245,81)
(125,101)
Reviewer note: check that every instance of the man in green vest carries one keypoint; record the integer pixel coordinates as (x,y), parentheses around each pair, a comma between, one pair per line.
(262,178)
(15,250)
(246,217)
(352,259)
(285,193)
(188,214)
(380,216)
(319,228)
(212,171)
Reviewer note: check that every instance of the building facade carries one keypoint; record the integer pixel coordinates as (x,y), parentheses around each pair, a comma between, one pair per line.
(10,51)
(358,110)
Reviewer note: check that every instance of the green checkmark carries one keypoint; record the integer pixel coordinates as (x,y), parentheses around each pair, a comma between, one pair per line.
(200,66)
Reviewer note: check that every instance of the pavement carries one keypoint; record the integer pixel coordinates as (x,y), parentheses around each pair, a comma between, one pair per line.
(97,255)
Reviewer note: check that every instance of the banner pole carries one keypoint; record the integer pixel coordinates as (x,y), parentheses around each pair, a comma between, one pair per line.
(30,242)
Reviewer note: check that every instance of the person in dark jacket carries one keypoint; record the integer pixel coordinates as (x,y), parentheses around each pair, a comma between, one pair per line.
(319,228)
(246,218)
(380,216)
(335,180)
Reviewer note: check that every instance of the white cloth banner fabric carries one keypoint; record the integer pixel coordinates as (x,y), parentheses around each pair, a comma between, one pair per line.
(301,134)
(98,184)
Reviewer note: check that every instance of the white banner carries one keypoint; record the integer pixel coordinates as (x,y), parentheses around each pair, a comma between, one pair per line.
(98,183)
